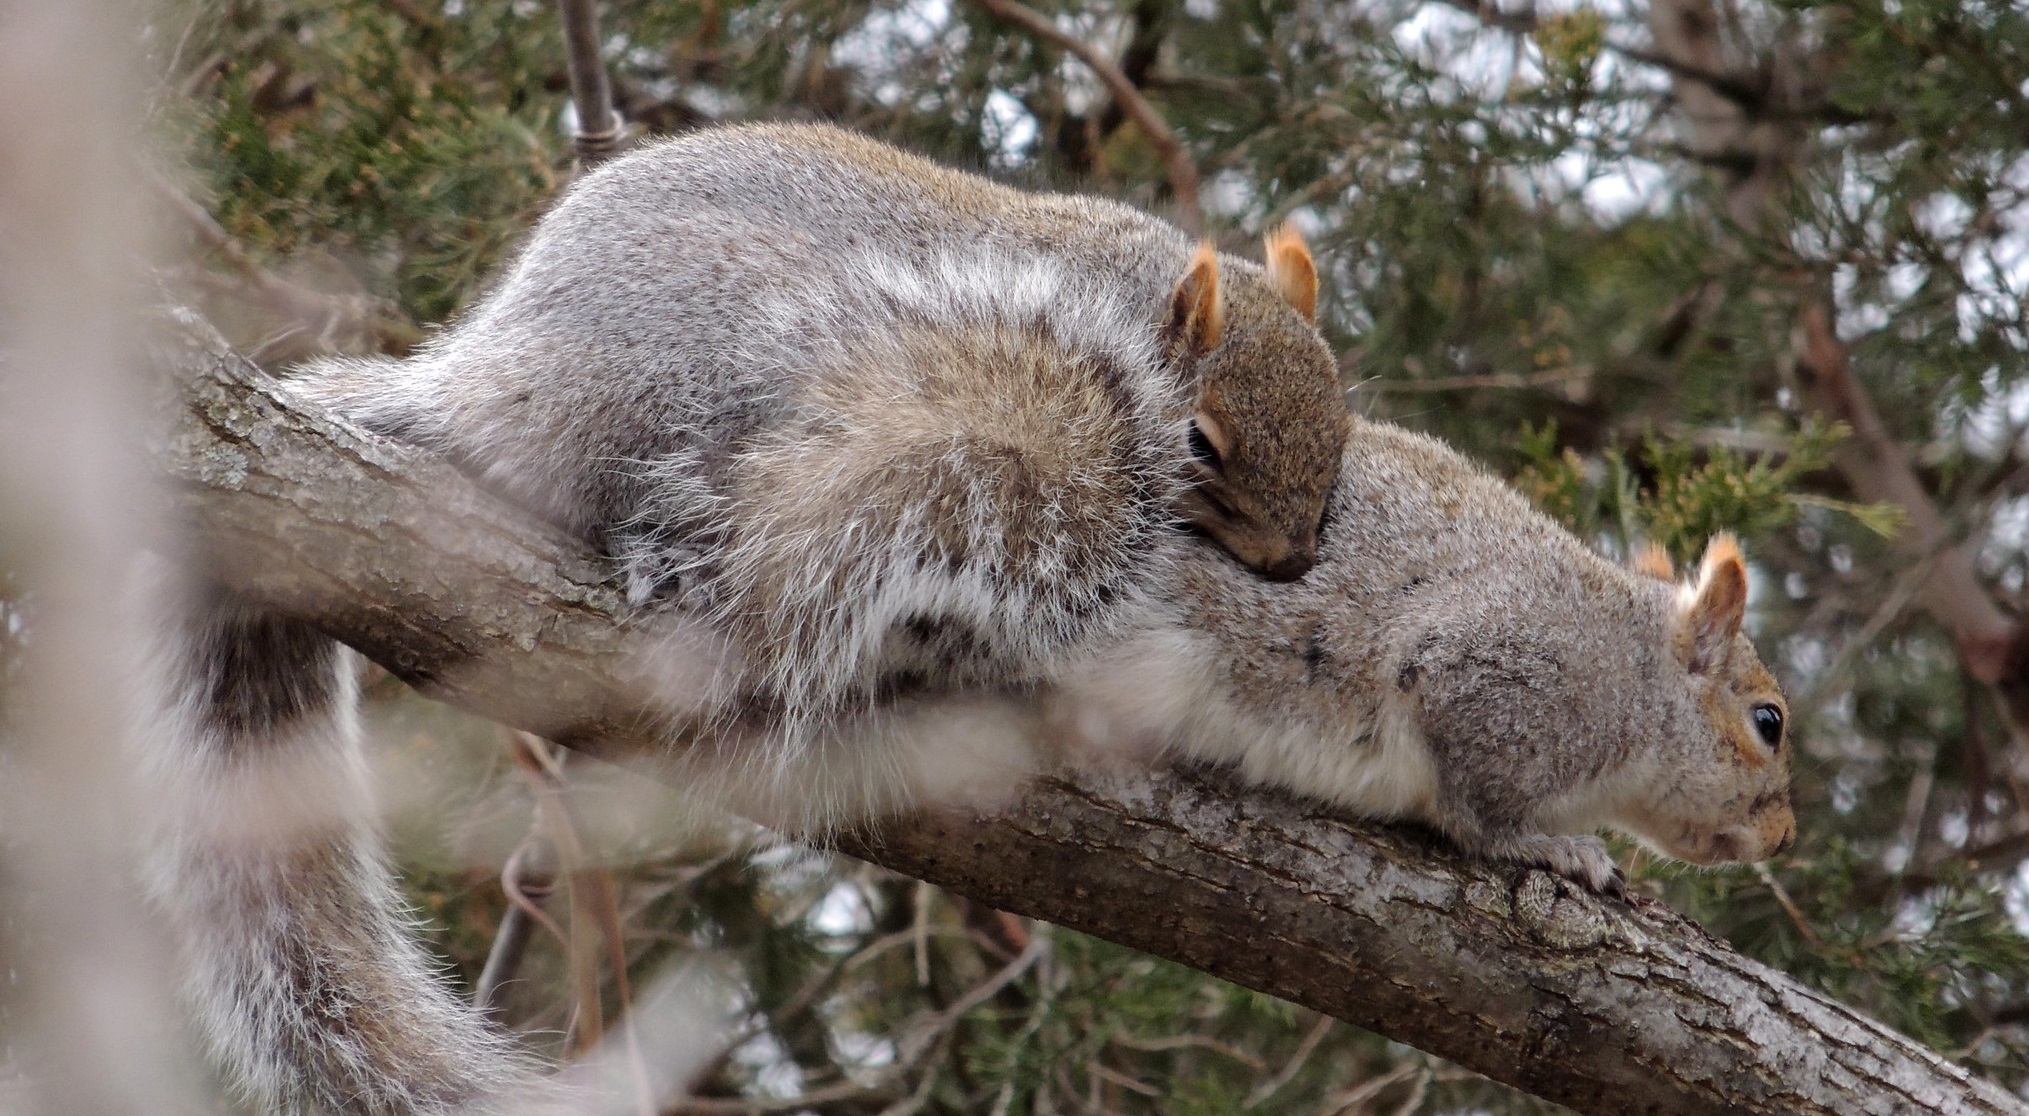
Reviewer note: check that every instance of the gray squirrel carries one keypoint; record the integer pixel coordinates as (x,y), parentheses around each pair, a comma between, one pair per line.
(1451,655)
(783,320)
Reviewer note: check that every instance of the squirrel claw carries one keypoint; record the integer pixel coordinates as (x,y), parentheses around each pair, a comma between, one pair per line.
(1582,859)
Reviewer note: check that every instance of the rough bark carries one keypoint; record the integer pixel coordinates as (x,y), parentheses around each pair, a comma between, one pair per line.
(1598,1004)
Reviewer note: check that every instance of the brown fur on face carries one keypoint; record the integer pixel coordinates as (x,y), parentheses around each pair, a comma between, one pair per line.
(1271,416)
(1754,821)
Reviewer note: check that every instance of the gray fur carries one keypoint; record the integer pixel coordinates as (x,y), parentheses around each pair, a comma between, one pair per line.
(297,953)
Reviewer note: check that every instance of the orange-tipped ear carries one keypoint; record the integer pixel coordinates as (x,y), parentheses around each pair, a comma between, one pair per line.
(1291,270)
(1654,561)
(1198,309)
(1710,612)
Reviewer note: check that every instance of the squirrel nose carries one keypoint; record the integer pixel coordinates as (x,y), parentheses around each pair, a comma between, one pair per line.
(1292,565)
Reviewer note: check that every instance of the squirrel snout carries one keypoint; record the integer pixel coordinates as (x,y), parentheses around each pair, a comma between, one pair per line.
(1291,566)
(1782,845)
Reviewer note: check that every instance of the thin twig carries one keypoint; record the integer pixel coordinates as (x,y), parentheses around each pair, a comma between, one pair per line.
(1133,1085)
(527,879)
(1179,1042)
(1547,378)
(1878,468)
(1796,916)
(842,1093)
(595,903)
(924,1033)
(1182,171)
(1351,1099)
(1294,1066)
(1526,21)
(326,317)
(919,931)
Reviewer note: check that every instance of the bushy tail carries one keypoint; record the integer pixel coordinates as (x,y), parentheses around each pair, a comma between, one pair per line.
(297,952)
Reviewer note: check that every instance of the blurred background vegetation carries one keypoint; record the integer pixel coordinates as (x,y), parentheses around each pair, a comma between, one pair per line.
(1583,242)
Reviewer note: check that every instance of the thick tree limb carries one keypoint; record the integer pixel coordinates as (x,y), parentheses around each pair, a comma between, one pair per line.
(1603,1006)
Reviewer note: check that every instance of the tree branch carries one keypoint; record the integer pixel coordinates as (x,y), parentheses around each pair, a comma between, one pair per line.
(1182,171)
(1589,1002)
(1874,463)
(1525,21)
(317,322)
(1992,645)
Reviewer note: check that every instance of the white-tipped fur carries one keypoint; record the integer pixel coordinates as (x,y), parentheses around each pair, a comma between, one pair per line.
(810,524)
(298,957)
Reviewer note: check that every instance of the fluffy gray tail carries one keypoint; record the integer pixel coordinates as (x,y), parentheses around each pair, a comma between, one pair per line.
(297,952)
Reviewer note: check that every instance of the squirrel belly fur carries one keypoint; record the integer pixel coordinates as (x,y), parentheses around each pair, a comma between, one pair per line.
(918,445)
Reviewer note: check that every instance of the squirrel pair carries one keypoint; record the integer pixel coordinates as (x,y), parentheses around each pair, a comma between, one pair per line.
(919,444)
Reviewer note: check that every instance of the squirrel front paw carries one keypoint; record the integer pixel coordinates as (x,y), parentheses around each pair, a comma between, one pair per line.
(1583,859)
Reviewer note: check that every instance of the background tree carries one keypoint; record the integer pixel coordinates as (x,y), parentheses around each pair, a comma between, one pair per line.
(1745,266)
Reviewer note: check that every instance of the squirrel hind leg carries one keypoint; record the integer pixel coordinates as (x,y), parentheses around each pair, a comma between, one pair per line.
(1581,859)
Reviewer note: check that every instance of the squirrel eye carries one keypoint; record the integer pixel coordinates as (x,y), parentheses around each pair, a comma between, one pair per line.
(1768,722)
(1203,449)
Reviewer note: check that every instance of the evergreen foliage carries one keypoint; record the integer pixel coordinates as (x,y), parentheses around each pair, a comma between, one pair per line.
(1522,252)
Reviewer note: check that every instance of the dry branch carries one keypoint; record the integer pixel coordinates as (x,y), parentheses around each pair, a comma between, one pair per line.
(1879,470)
(1992,645)
(315,322)
(1603,1006)
(1177,162)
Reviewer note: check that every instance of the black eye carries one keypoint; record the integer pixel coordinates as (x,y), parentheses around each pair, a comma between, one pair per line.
(1768,722)
(1202,449)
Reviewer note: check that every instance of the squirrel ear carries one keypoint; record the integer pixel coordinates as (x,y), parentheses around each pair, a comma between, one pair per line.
(1653,560)
(1291,270)
(1709,613)
(1198,309)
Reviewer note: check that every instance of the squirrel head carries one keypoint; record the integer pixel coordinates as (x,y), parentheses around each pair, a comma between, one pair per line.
(1720,791)
(1270,420)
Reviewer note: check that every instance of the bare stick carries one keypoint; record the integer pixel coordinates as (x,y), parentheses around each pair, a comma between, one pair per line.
(324,322)
(1183,173)
(1877,467)
(527,879)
